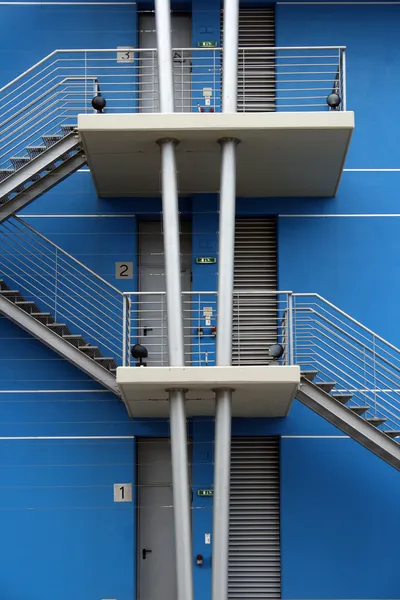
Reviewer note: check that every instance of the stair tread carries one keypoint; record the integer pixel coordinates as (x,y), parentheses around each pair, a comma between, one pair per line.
(376,420)
(392,432)
(359,409)
(309,375)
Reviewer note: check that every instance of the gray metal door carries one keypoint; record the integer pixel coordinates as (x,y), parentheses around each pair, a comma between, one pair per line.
(255,313)
(152,309)
(148,76)
(256,64)
(254,527)
(156,573)
(155,547)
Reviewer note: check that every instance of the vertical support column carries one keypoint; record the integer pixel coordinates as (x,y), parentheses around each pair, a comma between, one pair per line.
(223,415)
(179,451)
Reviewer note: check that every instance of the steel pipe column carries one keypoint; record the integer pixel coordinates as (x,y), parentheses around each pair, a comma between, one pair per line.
(179,451)
(223,415)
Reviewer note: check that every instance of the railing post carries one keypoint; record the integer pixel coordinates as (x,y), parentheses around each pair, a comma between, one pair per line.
(56,286)
(290,335)
(124,330)
(343,69)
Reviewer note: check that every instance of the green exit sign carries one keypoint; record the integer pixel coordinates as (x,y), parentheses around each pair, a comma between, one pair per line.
(206,260)
(205,492)
(207,44)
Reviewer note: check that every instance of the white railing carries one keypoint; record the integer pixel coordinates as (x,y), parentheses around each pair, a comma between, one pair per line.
(63,286)
(314,334)
(341,349)
(59,87)
(260,319)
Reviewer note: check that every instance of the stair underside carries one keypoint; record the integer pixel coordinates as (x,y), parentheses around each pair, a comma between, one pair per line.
(349,422)
(64,348)
(39,172)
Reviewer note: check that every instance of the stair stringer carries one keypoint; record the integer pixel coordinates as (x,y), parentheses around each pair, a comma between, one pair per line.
(38,188)
(58,345)
(30,174)
(344,419)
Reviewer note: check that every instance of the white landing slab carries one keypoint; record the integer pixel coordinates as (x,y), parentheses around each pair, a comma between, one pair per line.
(279,153)
(258,391)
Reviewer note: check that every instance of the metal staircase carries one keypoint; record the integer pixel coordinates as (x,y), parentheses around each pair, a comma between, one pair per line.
(29,175)
(350,375)
(61,302)
(338,410)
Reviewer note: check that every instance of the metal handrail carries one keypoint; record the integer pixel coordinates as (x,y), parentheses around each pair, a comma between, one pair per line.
(344,314)
(70,257)
(24,108)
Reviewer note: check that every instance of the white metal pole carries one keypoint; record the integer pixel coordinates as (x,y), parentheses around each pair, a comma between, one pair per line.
(179,451)
(223,414)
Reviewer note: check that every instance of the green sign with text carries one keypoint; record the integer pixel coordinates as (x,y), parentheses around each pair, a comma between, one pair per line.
(206,260)
(207,44)
(205,492)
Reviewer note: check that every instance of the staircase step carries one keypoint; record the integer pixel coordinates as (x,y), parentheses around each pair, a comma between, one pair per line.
(59,328)
(91,351)
(359,410)
(343,398)
(35,151)
(393,433)
(50,140)
(12,295)
(19,161)
(106,361)
(27,305)
(325,386)
(67,129)
(43,317)
(75,339)
(4,173)
(309,375)
(376,421)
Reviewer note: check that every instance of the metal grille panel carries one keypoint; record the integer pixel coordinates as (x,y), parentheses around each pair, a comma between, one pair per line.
(254,529)
(254,316)
(256,67)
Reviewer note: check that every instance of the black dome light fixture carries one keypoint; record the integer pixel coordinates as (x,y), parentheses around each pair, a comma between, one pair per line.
(99,103)
(333,101)
(139,352)
(276,351)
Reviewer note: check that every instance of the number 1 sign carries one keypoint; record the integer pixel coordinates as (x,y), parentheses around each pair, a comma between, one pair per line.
(122,492)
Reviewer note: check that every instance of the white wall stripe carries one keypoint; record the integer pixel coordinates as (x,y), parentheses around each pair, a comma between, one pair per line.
(119,216)
(343,215)
(54,391)
(68,3)
(68,437)
(315,437)
(377,2)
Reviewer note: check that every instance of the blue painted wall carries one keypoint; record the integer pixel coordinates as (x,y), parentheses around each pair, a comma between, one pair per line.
(339,502)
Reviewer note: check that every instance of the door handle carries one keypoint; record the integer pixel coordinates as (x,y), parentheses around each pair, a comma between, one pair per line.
(146,329)
(145,552)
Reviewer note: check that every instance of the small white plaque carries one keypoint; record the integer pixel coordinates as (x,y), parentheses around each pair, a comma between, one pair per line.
(125,54)
(124,270)
(207,538)
(122,492)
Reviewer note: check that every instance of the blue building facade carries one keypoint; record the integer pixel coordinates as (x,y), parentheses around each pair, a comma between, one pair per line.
(65,440)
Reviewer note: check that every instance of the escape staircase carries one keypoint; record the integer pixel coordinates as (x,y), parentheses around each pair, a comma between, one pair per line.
(358,422)
(82,317)
(30,174)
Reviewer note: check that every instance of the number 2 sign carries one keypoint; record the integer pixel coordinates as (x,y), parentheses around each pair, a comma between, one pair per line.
(124,270)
